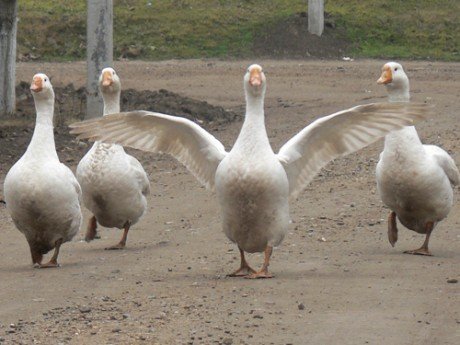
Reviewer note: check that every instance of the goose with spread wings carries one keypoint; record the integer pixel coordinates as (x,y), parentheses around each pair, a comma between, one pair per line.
(252,183)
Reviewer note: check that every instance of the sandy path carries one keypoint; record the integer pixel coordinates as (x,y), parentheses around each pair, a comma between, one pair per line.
(169,285)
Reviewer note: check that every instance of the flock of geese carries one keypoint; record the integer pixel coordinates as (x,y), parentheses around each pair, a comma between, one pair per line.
(252,183)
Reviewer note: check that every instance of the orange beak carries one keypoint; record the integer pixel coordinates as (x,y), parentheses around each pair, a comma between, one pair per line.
(37,84)
(107,79)
(255,77)
(386,77)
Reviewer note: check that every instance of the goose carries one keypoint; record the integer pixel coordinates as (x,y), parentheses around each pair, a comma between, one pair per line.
(114,184)
(42,194)
(413,180)
(252,183)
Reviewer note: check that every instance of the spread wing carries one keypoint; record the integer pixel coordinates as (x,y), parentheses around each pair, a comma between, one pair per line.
(342,133)
(190,144)
(445,162)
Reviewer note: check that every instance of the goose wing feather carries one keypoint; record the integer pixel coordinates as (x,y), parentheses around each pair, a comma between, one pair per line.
(342,133)
(445,162)
(190,144)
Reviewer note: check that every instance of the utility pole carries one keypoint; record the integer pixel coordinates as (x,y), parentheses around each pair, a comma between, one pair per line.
(316,17)
(99,51)
(8,29)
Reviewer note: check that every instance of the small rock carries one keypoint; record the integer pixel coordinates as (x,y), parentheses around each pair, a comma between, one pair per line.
(116,330)
(227,341)
(452,281)
(301,306)
(85,309)
(161,315)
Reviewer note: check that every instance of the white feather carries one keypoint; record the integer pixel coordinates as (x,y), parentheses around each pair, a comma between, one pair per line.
(339,134)
(190,144)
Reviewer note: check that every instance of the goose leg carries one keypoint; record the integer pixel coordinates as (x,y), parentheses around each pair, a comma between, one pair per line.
(392,229)
(122,243)
(91,232)
(36,256)
(244,269)
(53,261)
(263,273)
(423,250)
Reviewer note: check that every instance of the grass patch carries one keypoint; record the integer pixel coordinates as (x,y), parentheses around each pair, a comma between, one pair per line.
(418,29)
(164,29)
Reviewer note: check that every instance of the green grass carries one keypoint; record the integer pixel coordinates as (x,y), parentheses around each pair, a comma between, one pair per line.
(419,29)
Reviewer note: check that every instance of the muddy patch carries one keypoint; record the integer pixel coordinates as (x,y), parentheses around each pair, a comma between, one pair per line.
(290,39)
(71,104)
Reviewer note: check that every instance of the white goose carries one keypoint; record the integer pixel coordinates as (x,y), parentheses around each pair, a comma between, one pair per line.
(413,180)
(253,184)
(42,194)
(114,184)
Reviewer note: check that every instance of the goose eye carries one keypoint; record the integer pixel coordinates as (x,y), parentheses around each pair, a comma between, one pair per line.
(46,80)
(396,68)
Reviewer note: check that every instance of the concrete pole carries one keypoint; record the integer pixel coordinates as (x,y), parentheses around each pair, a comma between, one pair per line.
(8,29)
(316,17)
(99,50)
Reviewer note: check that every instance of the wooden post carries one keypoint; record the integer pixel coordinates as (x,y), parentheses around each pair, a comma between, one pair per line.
(99,50)
(316,17)
(8,28)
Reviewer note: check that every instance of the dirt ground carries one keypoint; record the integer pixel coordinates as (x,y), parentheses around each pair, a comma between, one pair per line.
(337,279)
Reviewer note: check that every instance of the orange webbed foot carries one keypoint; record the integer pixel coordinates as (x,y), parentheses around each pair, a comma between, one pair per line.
(260,275)
(242,272)
(50,264)
(420,251)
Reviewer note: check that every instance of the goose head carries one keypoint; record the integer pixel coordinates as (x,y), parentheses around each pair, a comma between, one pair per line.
(254,81)
(109,82)
(41,87)
(395,80)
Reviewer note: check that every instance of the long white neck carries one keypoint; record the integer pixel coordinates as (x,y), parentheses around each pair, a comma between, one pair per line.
(399,92)
(253,135)
(111,102)
(405,139)
(42,143)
